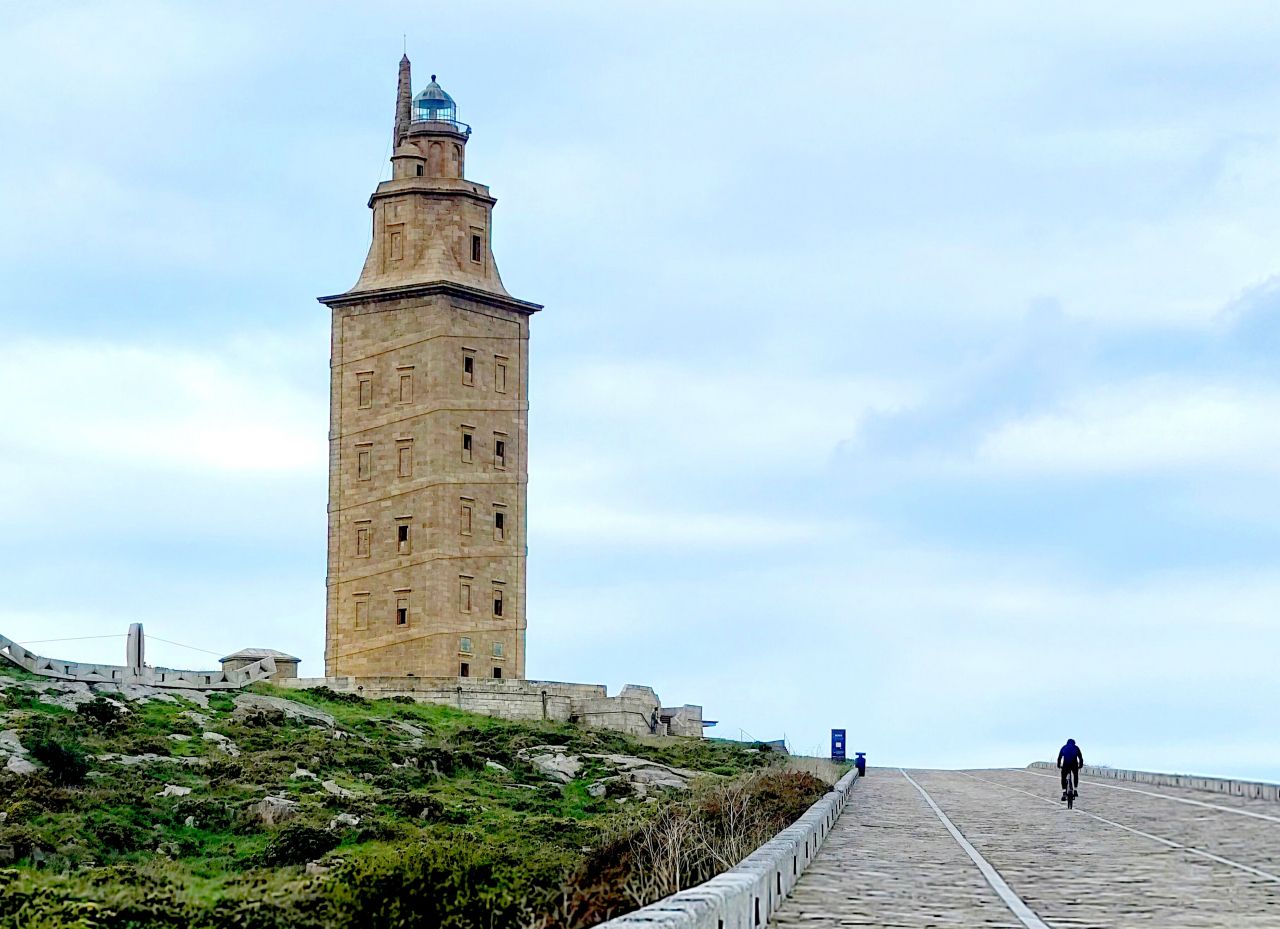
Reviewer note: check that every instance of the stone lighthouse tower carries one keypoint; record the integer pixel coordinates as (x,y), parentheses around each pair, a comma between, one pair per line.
(427,425)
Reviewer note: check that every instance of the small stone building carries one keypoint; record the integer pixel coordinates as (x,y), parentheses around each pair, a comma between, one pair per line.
(286,665)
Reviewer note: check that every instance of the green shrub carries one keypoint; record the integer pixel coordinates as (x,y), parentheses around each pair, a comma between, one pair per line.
(99,712)
(326,693)
(23,838)
(24,811)
(117,836)
(298,843)
(148,745)
(459,885)
(65,761)
(415,805)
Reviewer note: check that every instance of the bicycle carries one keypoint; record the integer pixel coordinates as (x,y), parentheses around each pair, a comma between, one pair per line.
(1072,777)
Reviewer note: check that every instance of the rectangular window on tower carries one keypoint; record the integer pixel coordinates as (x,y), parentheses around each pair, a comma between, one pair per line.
(464,670)
(402,538)
(365,390)
(402,612)
(468,369)
(364,462)
(467,442)
(404,458)
(500,376)
(362,541)
(464,595)
(395,242)
(497,673)
(464,518)
(499,526)
(464,645)
(362,615)
(406,386)
(477,255)
(497,602)
(499,451)
(497,650)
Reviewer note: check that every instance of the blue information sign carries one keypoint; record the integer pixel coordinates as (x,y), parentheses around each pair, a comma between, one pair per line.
(837,745)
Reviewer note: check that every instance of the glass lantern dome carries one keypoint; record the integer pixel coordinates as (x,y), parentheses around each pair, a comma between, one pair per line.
(433,105)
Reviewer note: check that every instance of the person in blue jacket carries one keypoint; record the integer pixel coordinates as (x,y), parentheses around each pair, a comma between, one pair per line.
(1070,761)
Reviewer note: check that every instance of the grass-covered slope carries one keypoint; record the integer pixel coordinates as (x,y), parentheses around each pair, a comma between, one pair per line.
(152,810)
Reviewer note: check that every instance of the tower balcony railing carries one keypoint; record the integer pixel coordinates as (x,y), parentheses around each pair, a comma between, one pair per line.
(448,124)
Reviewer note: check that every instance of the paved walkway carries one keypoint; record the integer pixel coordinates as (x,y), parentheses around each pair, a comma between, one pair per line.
(1122,858)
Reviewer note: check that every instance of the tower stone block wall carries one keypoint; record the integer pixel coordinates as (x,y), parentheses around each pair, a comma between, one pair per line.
(428,429)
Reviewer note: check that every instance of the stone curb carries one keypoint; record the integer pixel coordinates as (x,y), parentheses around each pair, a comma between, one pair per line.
(1252,790)
(747,896)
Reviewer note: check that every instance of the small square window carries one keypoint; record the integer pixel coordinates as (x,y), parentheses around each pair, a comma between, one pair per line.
(499,453)
(362,542)
(464,670)
(497,649)
(468,370)
(364,464)
(497,602)
(402,612)
(465,644)
(402,538)
(497,674)
(500,377)
(404,459)
(475,248)
(464,597)
(406,388)
(362,614)
(464,521)
(366,391)
(499,526)
(466,446)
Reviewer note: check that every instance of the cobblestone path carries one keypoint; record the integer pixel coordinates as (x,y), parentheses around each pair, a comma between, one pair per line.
(891,862)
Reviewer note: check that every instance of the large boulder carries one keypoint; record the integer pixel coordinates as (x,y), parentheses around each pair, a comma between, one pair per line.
(553,762)
(276,810)
(247,704)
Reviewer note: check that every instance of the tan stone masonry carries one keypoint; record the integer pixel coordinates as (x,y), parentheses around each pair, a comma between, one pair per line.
(428,429)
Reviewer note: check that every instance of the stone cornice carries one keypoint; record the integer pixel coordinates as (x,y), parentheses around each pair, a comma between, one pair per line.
(432,187)
(406,291)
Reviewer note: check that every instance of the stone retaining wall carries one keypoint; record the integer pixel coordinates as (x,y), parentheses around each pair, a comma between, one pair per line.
(747,896)
(636,710)
(1253,790)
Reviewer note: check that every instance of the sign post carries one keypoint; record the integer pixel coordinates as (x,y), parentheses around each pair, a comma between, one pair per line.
(837,745)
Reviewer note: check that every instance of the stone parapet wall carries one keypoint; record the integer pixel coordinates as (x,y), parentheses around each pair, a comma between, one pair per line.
(747,896)
(635,710)
(138,675)
(1252,790)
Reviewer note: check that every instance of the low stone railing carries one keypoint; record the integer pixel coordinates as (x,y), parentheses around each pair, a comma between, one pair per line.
(1253,790)
(144,675)
(747,896)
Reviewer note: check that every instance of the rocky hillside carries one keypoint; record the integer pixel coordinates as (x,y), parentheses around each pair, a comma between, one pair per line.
(136,807)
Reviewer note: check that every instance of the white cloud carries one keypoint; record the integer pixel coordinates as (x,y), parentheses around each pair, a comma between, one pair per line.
(1154,424)
(622,526)
(155,408)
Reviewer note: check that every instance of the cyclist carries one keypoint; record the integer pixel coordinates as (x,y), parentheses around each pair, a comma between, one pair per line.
(1070,760)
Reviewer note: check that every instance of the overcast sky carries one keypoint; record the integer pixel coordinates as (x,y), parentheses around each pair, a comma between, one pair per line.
(909,368)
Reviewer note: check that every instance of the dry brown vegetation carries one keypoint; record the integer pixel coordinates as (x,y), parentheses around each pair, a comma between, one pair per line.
(660,850)
(824,769)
